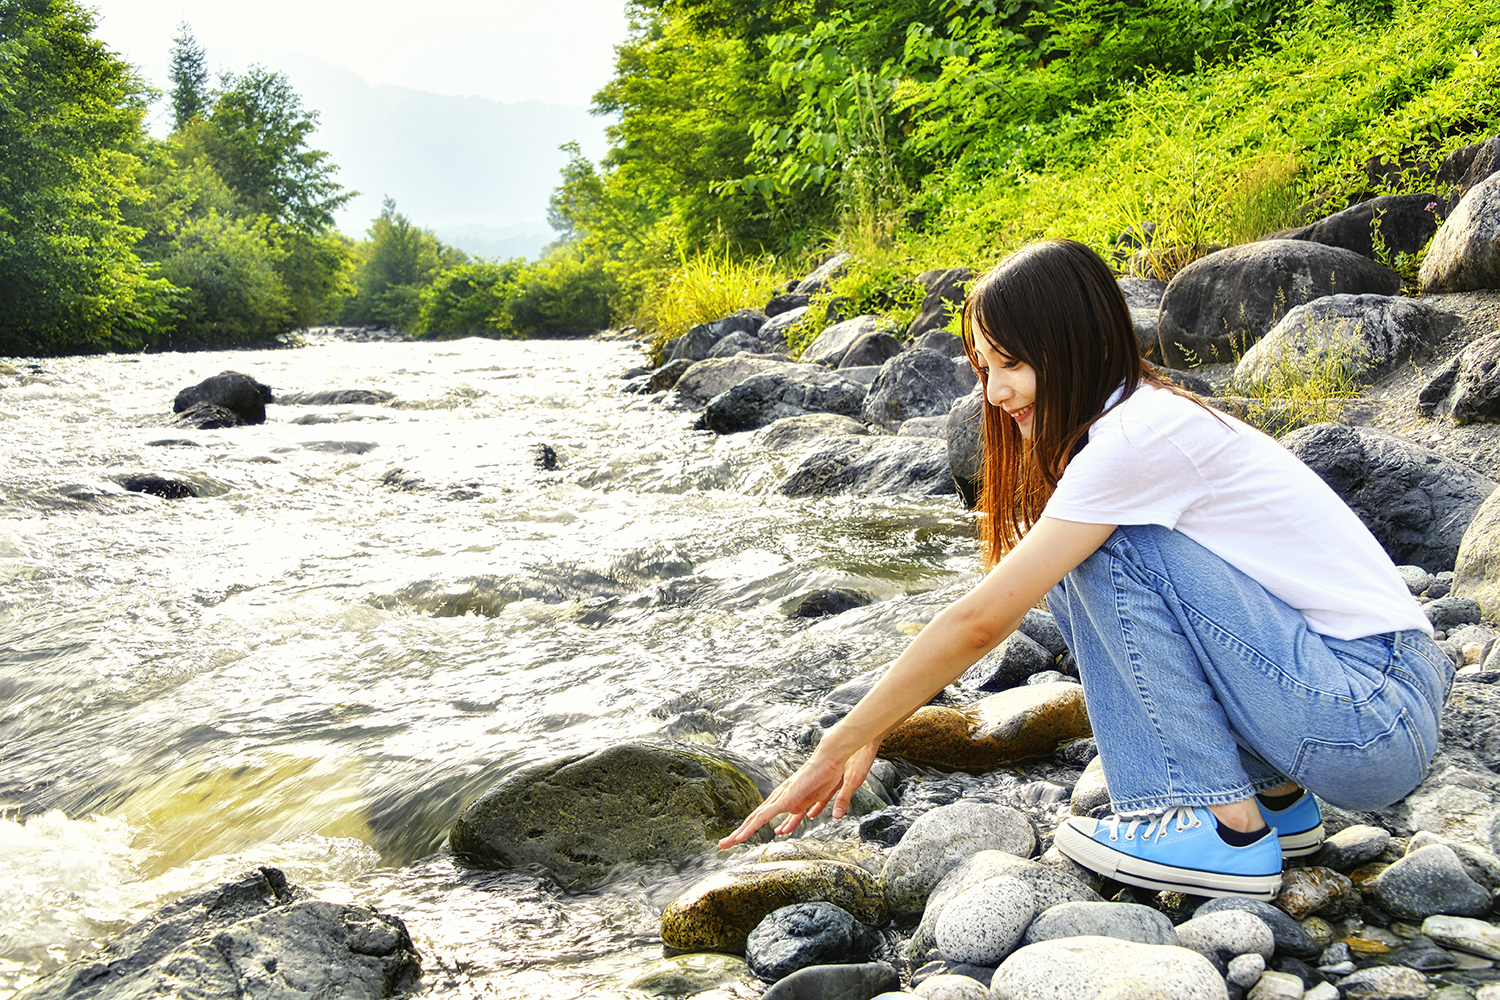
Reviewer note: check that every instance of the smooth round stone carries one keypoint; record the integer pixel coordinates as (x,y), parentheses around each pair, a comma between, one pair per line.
(1319,930)
(1221,936)
(942,839)
(1091,794)
(1352,847)
(1429,881)
(1244,970)
(1490,992)
(1276,986)
(1097,968)
(1385,982)
(1126,921)
(1477,937)
(807,934)
(982,925)
(1416,578)
(1322,991)
(951,988)
(1053,858)
(1290,937)
(1480,865)
(822,982)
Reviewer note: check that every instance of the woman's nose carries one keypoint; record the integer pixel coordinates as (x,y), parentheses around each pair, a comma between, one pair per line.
(999,392)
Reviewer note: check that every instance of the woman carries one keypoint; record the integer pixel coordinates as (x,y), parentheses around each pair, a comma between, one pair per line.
(1242,638)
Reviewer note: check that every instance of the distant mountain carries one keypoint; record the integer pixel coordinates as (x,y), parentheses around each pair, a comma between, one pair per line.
(475,171)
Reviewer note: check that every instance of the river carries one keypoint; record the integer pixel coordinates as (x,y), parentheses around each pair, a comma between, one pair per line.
(373,612)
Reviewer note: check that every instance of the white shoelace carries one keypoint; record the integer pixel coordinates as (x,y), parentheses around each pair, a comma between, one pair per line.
(1185,817)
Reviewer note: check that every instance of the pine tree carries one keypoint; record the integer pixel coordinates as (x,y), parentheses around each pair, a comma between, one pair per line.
(189,78)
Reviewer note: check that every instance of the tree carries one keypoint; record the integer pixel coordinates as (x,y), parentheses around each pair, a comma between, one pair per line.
(397,262)
(189,73)
(233,293)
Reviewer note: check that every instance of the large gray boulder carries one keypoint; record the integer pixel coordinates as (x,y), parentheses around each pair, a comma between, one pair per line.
(868,466)
(834,342)
(578,818)
(1215,308)
(1415,502)
(1365,335)
(239,394)
(945,296)
(1405,222)
(1476,572)
(705,379)
(1464,168)
(871,349)
(771,396)
(1465,253)
(254,937)
(1467,388)
(697,343)
(913,384)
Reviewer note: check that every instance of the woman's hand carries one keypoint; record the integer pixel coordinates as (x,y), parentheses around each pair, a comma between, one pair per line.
(822,779)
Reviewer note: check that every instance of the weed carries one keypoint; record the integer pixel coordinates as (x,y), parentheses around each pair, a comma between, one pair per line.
(1308,383)
(704,287)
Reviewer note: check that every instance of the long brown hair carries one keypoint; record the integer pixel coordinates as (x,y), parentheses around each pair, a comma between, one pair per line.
(1056,307)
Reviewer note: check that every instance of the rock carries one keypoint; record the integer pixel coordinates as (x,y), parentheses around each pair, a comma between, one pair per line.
(786,302)
(239,394)
(1289,937)
(1463,168)
(965,458)
(1422,954)
(1385,982)
(1142,293)
(1465,253)
(684,975)
(207,417)
(1091,793)
(1477,566)
(337,397)
(703,380)
(1429,881)
(818,280)
(1476,937)
(827,601)
(1014,660)
(1352,847)
(699,342)
(718,913)
(256,936)
(774,333)
(1221,935)
(1451,612)
(159,486)
(1143,298)
(1095,968)
(951,988)
(1244,970)
(1368,336)
(834,342)
(941,840)
(928,427)
(736,343)
(797,433)
(913,384)
(1311,890)
(1416,578)
(806,934)
(1215,308)
(1276,986)
(943,342)
(1405,223)
(1467,387)
(945,296)
(871,466)
(1126,921)
(981,925)
(1480,865)
(1042,626)
(836,982)
(1414,501)
(578,817)
(870,349)
(765,398)
(1022,723)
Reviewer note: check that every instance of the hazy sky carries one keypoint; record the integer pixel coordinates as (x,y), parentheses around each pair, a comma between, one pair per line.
(555,51)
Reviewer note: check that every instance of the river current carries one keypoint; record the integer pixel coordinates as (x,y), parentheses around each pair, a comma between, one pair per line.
(373,612)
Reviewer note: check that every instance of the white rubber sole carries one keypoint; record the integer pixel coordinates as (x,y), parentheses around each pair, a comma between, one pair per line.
(1300,845)
(1149,875)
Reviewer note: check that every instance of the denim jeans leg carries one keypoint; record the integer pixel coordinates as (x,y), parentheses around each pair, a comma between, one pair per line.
(1204,688)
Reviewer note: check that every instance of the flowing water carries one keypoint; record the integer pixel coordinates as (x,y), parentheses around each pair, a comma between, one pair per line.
(372,612)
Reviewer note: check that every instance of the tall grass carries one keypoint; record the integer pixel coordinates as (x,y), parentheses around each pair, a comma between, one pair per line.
(705,286)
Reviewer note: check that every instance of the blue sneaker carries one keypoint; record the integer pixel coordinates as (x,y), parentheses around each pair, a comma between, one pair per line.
(1179,850)
(1299,825)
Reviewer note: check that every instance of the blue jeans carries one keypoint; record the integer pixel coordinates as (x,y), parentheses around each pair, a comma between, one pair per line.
(1203,688)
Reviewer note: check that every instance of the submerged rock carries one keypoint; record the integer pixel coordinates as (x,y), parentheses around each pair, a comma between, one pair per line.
(837,982)
(159,486)
(807,934)
(337,397)
(578,818)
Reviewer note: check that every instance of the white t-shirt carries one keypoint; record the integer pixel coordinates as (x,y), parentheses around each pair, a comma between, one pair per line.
(1158,458)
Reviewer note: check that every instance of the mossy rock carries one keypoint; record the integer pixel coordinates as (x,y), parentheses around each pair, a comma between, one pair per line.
(578,818)
(1021,723)
(719,913)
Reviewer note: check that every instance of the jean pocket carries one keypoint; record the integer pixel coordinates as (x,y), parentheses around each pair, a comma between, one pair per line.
(1368,775)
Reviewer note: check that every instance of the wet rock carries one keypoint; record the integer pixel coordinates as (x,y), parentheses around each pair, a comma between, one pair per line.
(544,457)
(337,397)
(982,925)
(1022,723)
(825,272)
(1289,937)
(256,936)
(1385,982)
(941,840)
(173,443)
(1094,968)
(239,394)
(1467,387)
(836,982)
(1367,336)
(1014,660)
(1451,612)
(1465,253)
(913,384)
(719,912)
(1352,847)
(1477,937)
(1404,221)
(1422,954)
(765,398)
(1276,986)
(820,603)
(159,486)
(807,934)
(1414,501)
(1477,566)
(830,346)
(944,298)
(798,433)
(1215,308)
(872,467)
(1091,793)
(208,417)
(1221,935)
(1126,921)
(965,458)
(685,975)
(948,987)
(1429,881)
(578,817)
(1316,890)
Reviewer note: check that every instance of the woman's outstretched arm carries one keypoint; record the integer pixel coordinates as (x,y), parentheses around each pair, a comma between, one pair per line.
(965,630)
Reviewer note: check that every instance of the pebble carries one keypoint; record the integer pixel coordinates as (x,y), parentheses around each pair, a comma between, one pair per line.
(1428,881)
(951,988)
(1290,938)
(1335,953)
(1095,968)
(982,925)
(1244,970)
(1477,937)
(1305,890)
(1416,578)
(823,982)
(1422,954)
(1221,936)
(1320,930)
(1277,986)
(1091,794)
(807,934)
(1352,847)
(1322,991)
(1385,982)
(1126,921)
(942,839)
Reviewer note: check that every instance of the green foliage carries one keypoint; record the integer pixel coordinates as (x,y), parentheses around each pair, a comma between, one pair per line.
(1297,391)
(397,261)
(189,72)
(704,287)
(470,299)
(233,292)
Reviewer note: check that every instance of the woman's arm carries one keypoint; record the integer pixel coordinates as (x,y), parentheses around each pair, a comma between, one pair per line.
(965,630)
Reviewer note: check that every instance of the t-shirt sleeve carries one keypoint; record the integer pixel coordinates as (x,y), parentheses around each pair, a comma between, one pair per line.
(1129,473)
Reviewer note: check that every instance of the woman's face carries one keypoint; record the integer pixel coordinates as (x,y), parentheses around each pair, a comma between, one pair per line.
(1009,384)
